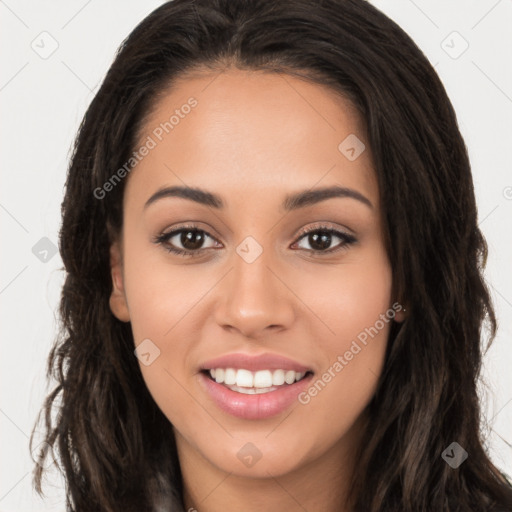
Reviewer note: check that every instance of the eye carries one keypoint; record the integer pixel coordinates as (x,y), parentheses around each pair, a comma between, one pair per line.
(191,239)
(320,239)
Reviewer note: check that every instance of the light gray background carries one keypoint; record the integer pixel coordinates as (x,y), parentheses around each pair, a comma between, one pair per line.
(43,98)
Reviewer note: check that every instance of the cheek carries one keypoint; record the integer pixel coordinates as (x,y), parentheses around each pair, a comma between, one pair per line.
(347,299)
(161,300)
(352,306)
(159,293)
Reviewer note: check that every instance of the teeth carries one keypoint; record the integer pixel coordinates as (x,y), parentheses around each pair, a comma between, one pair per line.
(244,378)
(261,381)
(251,391)
(219,375)
(289,377)
(278,378)
(229,376)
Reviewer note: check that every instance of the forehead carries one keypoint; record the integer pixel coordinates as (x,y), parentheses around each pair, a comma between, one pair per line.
(251,131)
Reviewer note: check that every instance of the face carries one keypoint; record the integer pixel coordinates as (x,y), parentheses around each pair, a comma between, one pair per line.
(284,292)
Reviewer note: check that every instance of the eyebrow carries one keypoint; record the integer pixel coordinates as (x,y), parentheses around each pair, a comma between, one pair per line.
(291,202)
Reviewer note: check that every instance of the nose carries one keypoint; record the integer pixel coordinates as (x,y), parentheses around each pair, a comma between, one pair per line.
(254,298)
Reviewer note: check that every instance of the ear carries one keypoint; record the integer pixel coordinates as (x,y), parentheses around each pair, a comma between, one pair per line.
(401,312)
(118,303)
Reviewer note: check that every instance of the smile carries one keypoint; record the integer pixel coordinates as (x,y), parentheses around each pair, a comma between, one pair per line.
(253,387)
(250,383)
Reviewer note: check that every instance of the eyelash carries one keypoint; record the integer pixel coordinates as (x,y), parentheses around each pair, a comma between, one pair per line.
(163,238)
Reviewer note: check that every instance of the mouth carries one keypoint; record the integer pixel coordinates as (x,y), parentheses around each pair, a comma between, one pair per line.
(254,387)
(254,383)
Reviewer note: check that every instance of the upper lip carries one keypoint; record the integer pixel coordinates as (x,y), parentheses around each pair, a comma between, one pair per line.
(254,363)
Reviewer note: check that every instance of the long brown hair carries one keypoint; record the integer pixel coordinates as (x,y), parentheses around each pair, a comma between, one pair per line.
(115,447)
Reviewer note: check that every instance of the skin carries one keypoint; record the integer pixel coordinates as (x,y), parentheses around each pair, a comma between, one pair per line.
(253,138)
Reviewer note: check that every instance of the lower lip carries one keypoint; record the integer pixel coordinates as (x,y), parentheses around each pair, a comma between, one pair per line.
(254,407)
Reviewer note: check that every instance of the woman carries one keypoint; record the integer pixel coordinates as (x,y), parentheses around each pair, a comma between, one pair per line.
(274,293)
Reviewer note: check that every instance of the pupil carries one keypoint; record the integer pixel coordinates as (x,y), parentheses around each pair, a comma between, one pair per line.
(322,240)
(191,239)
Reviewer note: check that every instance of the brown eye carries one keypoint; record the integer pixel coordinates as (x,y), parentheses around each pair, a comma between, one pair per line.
(191,240)
(321,239)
